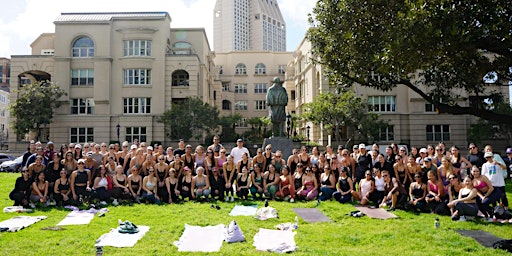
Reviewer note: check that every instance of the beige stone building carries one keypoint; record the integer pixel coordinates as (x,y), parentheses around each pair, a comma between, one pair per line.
(119,70)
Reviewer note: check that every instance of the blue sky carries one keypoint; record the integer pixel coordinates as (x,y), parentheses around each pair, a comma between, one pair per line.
(24,20)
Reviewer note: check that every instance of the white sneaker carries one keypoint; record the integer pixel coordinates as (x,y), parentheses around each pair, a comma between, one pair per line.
(287,198)
(462,219)
(32,205)
(227,199)
(115,202)
(103,203)
(232,199)
(292,200)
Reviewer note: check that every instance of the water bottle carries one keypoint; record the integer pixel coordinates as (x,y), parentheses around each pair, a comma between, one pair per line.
(437,224)
(99,251)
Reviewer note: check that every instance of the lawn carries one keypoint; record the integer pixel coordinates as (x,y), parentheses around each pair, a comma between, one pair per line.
(409,234)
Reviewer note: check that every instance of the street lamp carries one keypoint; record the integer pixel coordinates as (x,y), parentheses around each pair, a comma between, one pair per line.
(307,133)
(288,123)
(118,127)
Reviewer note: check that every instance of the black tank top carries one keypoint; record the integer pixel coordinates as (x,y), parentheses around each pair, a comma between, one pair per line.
(242,183)
(81,177)
(297,181)
(64,187)
(327,181)
(344,185)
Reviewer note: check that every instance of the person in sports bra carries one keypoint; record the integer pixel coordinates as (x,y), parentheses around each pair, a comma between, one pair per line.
(185,184)
(259,158)
(286,187)
(315,155)
(62,190)
(268,157)
(327,184)
(134,184)
(304,157)
(221,159)
(345,187)
(171,184)
(437,196)
(257,181)
(150,187)
(161,169)
(244,162)
(242,183)
(81,182)
(487,195)
(465,206)
(278,161)
(453,189)
(209,162)
(297,177)
(40,190)
(178,165)
(188,158)
(270,182)
(229,170)
(200,185)
(101,185)
(309,189)
(120,189)
(417,194)
(293,160)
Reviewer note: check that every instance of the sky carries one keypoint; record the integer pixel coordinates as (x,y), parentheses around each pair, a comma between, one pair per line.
(22,21)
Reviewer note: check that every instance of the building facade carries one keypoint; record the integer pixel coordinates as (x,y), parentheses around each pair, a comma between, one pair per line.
(120,71)
(248,25)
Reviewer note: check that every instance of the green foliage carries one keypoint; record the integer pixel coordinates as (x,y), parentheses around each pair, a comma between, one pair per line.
(228,124)
(485,129)
(35,105)
(335,110)
(189,118)
(440,49)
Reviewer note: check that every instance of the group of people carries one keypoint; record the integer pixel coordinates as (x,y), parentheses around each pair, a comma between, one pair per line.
(431,179)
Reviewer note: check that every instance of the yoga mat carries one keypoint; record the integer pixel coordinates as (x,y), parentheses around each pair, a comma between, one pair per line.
(201,239)
(15,224)
(275,240)
(243,210)
(482,237)
(376,213)
(311,215)
(116,239)
(77,218)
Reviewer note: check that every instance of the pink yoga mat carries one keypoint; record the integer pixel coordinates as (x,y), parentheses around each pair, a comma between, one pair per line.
(376,213)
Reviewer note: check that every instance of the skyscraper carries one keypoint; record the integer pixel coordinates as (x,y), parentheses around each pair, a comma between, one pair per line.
(248,25)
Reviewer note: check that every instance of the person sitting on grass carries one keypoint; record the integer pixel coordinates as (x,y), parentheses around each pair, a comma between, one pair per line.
(135,184)
(185,184)
(80,183)
(309,189)
(417,194)
(297,176)
(40,191)
(366,188)
(229,173)
(21,192)
(150,187)
(120,189)
(465,206)
(62,190)
(345,187)
(217,184)
(101,185)
(487,195)
(270,182)
(243,183)
(171,183)
(200,185)
(286,187)
(257,181)
(378,193)
(453,189)
(327,183)
(394,192)
(436,197)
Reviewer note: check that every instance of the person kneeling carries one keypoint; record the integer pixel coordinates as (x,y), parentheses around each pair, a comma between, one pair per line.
(150,188)
(465,206)
(200,185)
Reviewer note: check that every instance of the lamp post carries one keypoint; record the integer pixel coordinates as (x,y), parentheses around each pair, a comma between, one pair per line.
(288,124)
(307,133)
(118,127)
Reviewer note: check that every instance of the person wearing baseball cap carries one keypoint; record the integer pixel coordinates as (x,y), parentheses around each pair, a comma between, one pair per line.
(363,162)
(494,170)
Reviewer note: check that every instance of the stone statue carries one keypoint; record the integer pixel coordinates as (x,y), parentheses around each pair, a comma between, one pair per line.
(277,99)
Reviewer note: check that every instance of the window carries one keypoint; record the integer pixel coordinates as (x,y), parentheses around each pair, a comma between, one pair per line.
(281,69)
(240,69)
(180,78)
(260,69)
(221,70)
(82,77)
(136,133)
(3,99)
(83,47)
(438,132)
(81,134)
(387,134)
(83,106)
(226,105)
(136,105)
(260,88)
(260,105)
(429,107)
(242,123)
(381,103)
(241,105)
(293,95)
(137,48)
(137,76)
(225,87)
(240,88)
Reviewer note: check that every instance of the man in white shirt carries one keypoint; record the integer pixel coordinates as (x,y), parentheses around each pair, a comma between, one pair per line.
(239,150)
(493,170)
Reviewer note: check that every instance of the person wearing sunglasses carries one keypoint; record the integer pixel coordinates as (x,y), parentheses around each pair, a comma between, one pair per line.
(22,187)
(80,182)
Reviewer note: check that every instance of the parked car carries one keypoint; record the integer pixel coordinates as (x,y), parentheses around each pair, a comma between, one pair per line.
(11,165)
(5,157)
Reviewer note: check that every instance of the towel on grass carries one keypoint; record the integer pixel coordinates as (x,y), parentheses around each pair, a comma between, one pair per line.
(244,210)
(376,213)
(77,218)
(16,209)
(116,239)
(275,240)
(17,223)
(201,239)
(311,215)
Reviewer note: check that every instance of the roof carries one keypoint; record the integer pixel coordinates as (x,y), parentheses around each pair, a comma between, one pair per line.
(107,16)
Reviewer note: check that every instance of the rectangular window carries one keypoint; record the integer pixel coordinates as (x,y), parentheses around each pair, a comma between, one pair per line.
(136,105)
(82,77)
(242,123)
(260,105)
(137,76)
(226,87)
(84,106)
(260,88)
(81,134)
(387,133)
(438,132)
(137,48)
(429,107)
(281,69)
(241,105)
(138,133)
(240,88)
(381,103)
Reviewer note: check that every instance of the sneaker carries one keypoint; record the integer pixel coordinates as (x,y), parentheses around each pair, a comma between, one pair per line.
(232,199)
(292,200)
(462,218)
(287,198)
(115,202)
(32,205)
(103,203)
(470,218)
(227,199)
(455,217)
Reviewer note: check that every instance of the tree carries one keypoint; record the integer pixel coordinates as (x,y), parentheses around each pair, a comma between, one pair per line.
(228,124)
(440,49)
(34,106)
(190,118)
(335,110)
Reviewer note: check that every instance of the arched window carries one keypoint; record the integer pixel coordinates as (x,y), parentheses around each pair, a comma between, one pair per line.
(226,105)
(83,47)
(240,69)
(180,78)
(260,69)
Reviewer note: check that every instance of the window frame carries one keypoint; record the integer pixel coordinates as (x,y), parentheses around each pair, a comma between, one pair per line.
(241,88)
(241,105)
(260,69)
(82,51)
(88,134)
(81,106)
(260,88)
(137,48)
(133,77)
(260,105)
(240,69)
(87,77)
(382,103)
(136,105)
(436,132)
(130,134)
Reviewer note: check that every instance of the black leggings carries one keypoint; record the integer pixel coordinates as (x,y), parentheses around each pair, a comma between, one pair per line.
(19,198)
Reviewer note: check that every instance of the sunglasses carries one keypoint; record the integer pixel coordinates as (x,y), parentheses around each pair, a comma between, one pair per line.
(385,175)
(80,163)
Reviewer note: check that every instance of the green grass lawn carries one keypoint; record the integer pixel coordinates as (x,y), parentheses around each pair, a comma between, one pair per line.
(410,234)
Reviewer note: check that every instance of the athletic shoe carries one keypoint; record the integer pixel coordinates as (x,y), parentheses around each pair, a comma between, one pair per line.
(227,199)
(103,203)
(455,217)
(462,218)
(287,198)
(32,205)
(115,202)
(232,199)
(292,200)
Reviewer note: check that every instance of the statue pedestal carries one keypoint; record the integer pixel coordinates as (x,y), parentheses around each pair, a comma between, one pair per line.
(280,143)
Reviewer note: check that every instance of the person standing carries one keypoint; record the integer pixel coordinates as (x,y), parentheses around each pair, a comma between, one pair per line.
(239,150)
(493,170)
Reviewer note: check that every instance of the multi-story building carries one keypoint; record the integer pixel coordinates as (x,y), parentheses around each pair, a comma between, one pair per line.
(412,120)
(248,25)
(120,72)
(5,70)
